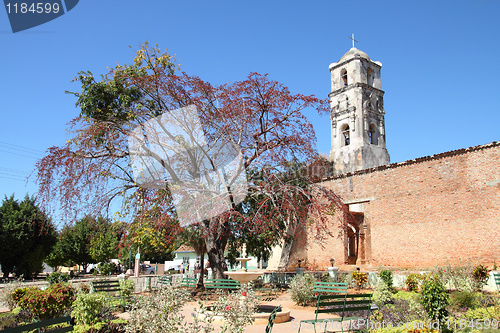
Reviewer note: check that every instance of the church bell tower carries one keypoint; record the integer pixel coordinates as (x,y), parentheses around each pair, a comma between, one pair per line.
(357,114)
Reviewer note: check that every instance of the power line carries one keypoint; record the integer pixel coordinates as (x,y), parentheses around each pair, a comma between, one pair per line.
(15,171)
(18,179)
(9,152)
(27,149)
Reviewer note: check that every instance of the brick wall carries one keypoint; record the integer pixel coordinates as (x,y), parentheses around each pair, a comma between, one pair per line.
(422,212)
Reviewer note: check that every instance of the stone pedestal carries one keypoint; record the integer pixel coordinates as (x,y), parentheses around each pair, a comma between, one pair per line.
(332,271)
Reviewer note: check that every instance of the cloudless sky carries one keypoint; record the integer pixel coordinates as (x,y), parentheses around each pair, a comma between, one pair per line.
(439,72)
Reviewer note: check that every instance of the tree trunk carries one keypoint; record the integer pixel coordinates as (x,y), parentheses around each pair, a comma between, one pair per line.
(200,285)
(216,242)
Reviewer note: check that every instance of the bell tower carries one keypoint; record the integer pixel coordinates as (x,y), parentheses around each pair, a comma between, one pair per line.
(357,114)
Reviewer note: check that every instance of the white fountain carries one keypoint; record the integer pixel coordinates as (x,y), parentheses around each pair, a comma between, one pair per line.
(243,275)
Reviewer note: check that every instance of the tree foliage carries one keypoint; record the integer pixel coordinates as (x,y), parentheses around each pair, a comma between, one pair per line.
(26,237)
(258,115)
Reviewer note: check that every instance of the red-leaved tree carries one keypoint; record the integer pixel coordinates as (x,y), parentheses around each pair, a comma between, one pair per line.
(253,158)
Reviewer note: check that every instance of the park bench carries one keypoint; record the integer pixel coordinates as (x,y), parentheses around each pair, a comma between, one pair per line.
(496,277)
(163,281)
(272,317)
(188,282)
(329,287)
(111,288)
(224,284)
(265,292)
(346,306)
(42,324)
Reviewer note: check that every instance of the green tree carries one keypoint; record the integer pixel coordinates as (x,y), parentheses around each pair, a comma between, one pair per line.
(26,237)
(56,257)
(75,241)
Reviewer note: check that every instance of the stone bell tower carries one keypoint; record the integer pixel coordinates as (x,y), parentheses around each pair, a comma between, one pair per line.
(357,114)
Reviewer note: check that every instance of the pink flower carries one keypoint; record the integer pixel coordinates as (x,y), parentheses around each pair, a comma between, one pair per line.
(228,308)
(244,293)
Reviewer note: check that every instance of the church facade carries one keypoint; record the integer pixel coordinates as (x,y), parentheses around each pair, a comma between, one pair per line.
(413,214)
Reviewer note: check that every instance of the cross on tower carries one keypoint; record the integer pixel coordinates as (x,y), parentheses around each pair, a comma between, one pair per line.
(353,40)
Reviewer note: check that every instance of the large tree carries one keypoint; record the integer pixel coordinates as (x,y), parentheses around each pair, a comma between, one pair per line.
(124,147)
(26,237)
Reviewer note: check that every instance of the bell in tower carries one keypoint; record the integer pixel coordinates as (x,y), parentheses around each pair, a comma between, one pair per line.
(357,114)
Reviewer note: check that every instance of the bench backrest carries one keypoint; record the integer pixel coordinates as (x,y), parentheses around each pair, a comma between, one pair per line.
(332,304)
(330,287)
(165,279)
(496,276)
(189,282)
(107,286)
(343,304)
(42,324)
(222,283)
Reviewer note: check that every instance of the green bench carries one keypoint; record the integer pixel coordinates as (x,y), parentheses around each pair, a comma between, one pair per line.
(111,288)
(224,284)
(227,284)
(188,282)
(163,281)
(42,324)
(341,305)
(272,317)
(496,277)
(329,287)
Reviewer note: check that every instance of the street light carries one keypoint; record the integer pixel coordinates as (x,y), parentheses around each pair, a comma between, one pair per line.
(332,261)
(299,261)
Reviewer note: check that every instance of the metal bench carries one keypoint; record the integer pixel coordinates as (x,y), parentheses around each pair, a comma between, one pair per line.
(227,284)
(163,281)
(42,324)
(272,317)
(188,282)
(112,288)
(346,306)
(329,287)
(496,277)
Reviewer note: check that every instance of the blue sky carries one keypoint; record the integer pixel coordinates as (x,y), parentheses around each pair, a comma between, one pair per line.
(439,64)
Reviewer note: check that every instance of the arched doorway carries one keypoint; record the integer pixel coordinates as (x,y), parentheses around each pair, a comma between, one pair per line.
(355,247)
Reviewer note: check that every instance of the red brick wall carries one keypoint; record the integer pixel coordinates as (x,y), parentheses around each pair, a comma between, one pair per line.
(424,212)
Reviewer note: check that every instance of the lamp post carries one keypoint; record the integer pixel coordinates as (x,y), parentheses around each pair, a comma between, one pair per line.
(332,271)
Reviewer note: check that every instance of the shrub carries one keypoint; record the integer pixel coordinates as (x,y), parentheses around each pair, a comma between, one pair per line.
(15,319)
(359,278)
(480,275)
(57,277)
(434,298)
(463,299)
(48,303)
(237,312)
(301,289)
(462,276)
(127,287)
(413,281)
(386,276)
(382,294)
(90,308)
(7,292)
(400,311)
(106,268)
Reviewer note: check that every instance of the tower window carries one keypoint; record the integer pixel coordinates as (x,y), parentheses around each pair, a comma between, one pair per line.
(372,133)
(346,135)
(343,75)
(369,77)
